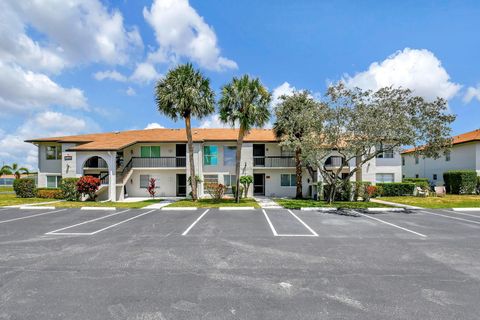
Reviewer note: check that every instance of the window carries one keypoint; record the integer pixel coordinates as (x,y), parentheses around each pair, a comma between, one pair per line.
(384,177)
(416,159)
(229,155)
(385,154)
(403,161)
(54,152)
(144,180)
(229,180)
(447,156)
(210,178)
(150,151)
(53,181)
(288,180)
(434,177)
(416,176)
(210,155)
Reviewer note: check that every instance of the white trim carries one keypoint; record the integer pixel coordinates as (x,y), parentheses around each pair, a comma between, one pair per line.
(236,208)
(466,209)
(180,208)
(36,208)
(99,208)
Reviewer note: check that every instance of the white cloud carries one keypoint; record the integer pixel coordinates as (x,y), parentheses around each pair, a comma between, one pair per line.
(472,93)
(22,90)
(154,125)
(130,92)
(418,70)
(45,124)
(213,121)
(145,72)
(181,32)
(283,89)
(111,75)
(77,31)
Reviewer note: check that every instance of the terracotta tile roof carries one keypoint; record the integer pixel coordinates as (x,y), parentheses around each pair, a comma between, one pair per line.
(461,138)
(120,140)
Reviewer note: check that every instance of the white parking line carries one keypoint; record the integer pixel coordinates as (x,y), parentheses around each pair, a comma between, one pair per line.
(304,224)
(461,213)
(194,223)
(391,224)
(31,216)
(449,217)
(118,223)
(84,222)
(270,223)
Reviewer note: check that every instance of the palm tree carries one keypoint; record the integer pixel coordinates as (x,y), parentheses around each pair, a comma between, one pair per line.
(185,93)
(244,101)
(14,169)
(293,118)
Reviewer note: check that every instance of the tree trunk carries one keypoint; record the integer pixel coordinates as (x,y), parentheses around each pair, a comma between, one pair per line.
(188,128)
(238,160)
(298,172)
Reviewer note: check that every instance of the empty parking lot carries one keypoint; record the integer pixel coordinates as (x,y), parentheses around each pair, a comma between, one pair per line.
(252,264)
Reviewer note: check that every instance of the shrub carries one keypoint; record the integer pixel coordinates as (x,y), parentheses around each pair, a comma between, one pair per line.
(246,181)
(371,192)
(88,185)
(394,189)
(69,189)
(419,182)
(234,191)
(359,188)
(25,188)
(151,187)
(50,193)
(215,190)
(478,185)
(460,181)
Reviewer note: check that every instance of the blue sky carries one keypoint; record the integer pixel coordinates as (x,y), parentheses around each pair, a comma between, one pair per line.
(91,65)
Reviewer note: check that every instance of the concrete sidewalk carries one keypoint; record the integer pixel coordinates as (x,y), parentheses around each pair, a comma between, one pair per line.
(394,204)
(267,203)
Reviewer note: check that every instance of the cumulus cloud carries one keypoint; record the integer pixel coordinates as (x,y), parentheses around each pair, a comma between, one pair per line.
(472,93)
(111,75)
(154,125)
(44,124)
(181,32)
(130,92)
(145,72)
(22,90)
(213,121)
(283,89)
(418,70)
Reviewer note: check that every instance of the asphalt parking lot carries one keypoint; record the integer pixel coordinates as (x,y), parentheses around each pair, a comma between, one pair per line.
(257,264)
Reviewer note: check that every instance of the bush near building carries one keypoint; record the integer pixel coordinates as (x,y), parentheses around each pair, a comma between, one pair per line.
(69,189)
(394,189)
(419,182)
(49,193)
(25,188)
(88,185)
(460,181)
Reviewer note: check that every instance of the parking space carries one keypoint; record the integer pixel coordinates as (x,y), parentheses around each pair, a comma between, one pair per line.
(255,264)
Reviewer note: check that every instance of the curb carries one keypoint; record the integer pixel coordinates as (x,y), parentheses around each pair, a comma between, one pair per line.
(394,204)
(385,209)
(179,208)
(236,208)
(317,209)
(466,209)
(36,208)
(99,208)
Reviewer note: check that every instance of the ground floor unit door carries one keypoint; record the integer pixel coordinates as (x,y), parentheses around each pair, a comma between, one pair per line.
(181,185)
(258,184)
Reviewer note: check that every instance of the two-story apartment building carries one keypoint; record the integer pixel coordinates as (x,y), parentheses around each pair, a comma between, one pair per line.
(464,155)
(125,161)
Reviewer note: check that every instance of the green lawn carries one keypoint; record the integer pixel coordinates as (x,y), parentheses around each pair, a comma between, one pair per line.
(209,203)
(12,200)
(303,203)
(449,201)
(6,189)
(130,205)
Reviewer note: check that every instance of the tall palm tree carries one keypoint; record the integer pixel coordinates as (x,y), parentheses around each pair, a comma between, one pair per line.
(14,169)
(293,119)
(244,101)
(185,93)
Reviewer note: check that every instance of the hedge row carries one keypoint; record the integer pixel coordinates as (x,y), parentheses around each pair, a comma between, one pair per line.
(25,188)
(394,189)
(49,193)
(419,182)
(460,181)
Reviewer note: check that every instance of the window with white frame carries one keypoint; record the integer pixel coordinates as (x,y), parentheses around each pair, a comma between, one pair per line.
(210,178)
(53,181)
(229,155)
(384,177)
(229,180)
(288,180)
(386,152)
(150,151)
(144,181)
(54,153)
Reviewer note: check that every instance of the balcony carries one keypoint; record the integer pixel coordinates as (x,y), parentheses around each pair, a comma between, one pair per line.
(160,162)
(95,163)
(274,162)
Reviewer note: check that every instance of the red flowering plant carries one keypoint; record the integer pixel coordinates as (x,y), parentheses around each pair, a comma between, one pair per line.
(151,187)
(88,185)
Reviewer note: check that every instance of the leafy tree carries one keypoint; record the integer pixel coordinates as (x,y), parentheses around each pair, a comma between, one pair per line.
(14,169)
(359,125)
(244,101)
(294,115)
(185,93)
(88,185)
(246,181)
